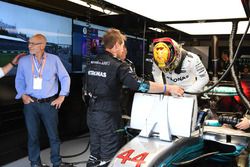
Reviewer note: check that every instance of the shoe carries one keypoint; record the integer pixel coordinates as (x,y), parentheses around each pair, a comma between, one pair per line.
(103,164)
(41,165)
(92,161)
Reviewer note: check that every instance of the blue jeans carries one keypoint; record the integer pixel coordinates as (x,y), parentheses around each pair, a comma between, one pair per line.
(34,113)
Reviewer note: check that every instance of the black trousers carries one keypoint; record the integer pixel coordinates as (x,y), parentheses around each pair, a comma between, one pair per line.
(104,138)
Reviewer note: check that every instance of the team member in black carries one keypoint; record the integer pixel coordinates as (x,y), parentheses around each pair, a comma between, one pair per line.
(106,75)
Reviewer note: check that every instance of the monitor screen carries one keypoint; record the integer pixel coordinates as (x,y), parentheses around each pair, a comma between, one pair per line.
(82,49)
(135,52)
(18,24)
(83,32)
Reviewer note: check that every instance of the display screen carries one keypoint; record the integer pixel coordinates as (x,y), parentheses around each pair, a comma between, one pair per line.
(87,41)
(82,49)
(18,24)
(136,53)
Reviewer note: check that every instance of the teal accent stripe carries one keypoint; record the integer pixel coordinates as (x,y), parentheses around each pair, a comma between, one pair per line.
(192,151)
(185,153)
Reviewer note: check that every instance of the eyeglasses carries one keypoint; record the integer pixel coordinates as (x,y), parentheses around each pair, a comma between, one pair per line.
(32,43)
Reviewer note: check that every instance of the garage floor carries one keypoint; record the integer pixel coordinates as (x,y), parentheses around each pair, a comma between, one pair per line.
(67,148)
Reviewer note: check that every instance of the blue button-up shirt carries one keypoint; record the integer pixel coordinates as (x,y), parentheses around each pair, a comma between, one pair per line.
(52,72)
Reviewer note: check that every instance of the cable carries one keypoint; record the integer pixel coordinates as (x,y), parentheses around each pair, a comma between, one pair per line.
(235,79)
(75,155)
(75,163)
(85,86)
(227,70)
(127,132)
(85,80)
(143,49)
(103,6)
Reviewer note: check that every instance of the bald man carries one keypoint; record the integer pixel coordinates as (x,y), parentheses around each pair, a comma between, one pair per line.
(37,85)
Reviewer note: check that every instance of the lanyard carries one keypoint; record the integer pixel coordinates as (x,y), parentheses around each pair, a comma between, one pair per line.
(41,67)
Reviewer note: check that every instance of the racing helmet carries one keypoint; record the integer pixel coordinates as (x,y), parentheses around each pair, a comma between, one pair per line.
(166,53)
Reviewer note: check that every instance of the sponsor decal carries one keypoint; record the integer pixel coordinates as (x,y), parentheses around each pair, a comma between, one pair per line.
(97,73)
(105,63)
(137,159)
(178,79)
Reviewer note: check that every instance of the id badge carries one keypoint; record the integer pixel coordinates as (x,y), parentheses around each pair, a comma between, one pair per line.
(37,83)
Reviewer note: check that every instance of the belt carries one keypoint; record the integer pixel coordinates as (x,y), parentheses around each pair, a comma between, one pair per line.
(43,100)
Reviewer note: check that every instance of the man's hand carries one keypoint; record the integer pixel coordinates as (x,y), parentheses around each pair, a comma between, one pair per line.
(58,102)
(17,57)
(27,99)
(175,90)
(244,124)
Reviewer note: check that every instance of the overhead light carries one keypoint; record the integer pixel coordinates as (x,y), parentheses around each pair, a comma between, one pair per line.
(156,29)
(211,28)
(242,27)
(97,8)
(183,10)
(214,28)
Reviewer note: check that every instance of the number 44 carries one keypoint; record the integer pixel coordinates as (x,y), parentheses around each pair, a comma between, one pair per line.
(126,156)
